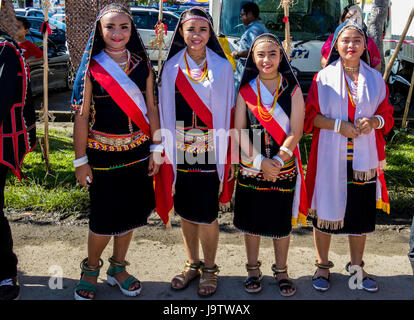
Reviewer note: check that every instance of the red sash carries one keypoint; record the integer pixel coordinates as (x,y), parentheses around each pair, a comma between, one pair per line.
(279,135)
(201,110)
(118,94)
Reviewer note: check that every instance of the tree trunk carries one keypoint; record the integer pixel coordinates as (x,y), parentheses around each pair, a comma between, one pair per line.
(376,25)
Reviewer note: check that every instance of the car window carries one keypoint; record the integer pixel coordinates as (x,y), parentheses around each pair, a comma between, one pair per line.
(141,20)
(169,20)
(35,24)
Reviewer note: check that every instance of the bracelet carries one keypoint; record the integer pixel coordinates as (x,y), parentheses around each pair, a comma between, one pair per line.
(258,161)
(381,121)
(157,148)
(289,152)
(80,161)
(279,159)
(337,125)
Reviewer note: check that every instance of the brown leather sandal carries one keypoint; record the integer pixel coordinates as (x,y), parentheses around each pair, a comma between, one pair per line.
(184,277)
(255,280)
(208,282)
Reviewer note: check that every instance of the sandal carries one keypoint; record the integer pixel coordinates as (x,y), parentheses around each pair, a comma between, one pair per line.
(321,283)
(255,280)
(210,282)
(368,284)
(283,284)
(117,267)
(85,285)
(184,277)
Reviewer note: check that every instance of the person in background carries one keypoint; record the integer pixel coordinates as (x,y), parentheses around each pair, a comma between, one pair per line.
(353,13)
(250,17)
(17,138)
(30,51)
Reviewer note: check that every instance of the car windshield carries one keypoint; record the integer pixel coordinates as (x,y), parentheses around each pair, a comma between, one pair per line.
(309,19)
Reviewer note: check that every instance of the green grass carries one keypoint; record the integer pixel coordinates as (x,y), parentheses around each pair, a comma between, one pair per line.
(56,192)
(59,193)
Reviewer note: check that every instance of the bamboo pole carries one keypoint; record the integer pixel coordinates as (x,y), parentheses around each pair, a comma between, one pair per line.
(160,43)
(399,45)
(287,42)
(46,5)
(407,104)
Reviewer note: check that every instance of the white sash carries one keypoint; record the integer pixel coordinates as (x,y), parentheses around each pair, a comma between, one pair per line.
(217,93)
(129,86)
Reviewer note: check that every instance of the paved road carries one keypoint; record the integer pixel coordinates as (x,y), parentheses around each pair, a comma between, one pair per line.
(156,255)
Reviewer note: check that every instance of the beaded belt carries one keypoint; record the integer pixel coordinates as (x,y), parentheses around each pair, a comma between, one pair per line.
(195,142)
(115,140)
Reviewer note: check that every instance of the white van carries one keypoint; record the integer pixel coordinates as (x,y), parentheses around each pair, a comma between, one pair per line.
(145,20)
(311,22)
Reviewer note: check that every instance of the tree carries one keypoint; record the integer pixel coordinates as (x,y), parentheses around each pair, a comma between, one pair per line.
(376,25)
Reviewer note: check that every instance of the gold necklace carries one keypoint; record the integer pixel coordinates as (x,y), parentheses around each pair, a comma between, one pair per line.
(351,69)
(197,79)
(265,114)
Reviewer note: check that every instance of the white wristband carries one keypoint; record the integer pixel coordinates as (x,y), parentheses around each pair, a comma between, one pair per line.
(279,159)
(80,161)
(289,152)
(381,121)
(337,125)
(258,161)
(157,148)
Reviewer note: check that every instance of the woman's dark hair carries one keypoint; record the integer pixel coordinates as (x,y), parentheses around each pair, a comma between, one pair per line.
(196,12)
(251,7)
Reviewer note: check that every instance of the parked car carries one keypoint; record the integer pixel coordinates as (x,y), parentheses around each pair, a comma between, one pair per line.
(58,35)
(60,71)
(59,17)
(145,20)
(29,12)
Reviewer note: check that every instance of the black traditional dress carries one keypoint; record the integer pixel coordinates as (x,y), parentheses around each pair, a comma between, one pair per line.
(196,167)
(122,194)
(264,208)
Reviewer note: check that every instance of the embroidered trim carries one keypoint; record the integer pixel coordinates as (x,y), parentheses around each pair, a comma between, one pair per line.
(120,166)
(265,189)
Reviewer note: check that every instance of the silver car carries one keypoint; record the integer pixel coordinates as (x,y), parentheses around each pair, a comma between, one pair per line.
(145,20)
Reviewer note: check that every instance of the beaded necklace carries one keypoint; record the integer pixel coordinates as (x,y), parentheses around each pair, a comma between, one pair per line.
(267,115)
(196,76)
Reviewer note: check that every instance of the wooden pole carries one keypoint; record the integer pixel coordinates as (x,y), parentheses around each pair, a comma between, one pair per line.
(160,43)
(399,45)
(286,43)
(46,5)
(407,104)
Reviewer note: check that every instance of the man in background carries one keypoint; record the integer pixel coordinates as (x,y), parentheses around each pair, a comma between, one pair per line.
(250,17)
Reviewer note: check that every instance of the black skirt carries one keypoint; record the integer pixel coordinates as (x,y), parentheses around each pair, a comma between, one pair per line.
(361,208)
(196,196)
(122,198)
(264,208)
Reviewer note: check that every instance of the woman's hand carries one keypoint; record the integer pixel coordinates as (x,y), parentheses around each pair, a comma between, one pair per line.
(154,163)
(271,169)
(84,175)
(365,125)
(349,130)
